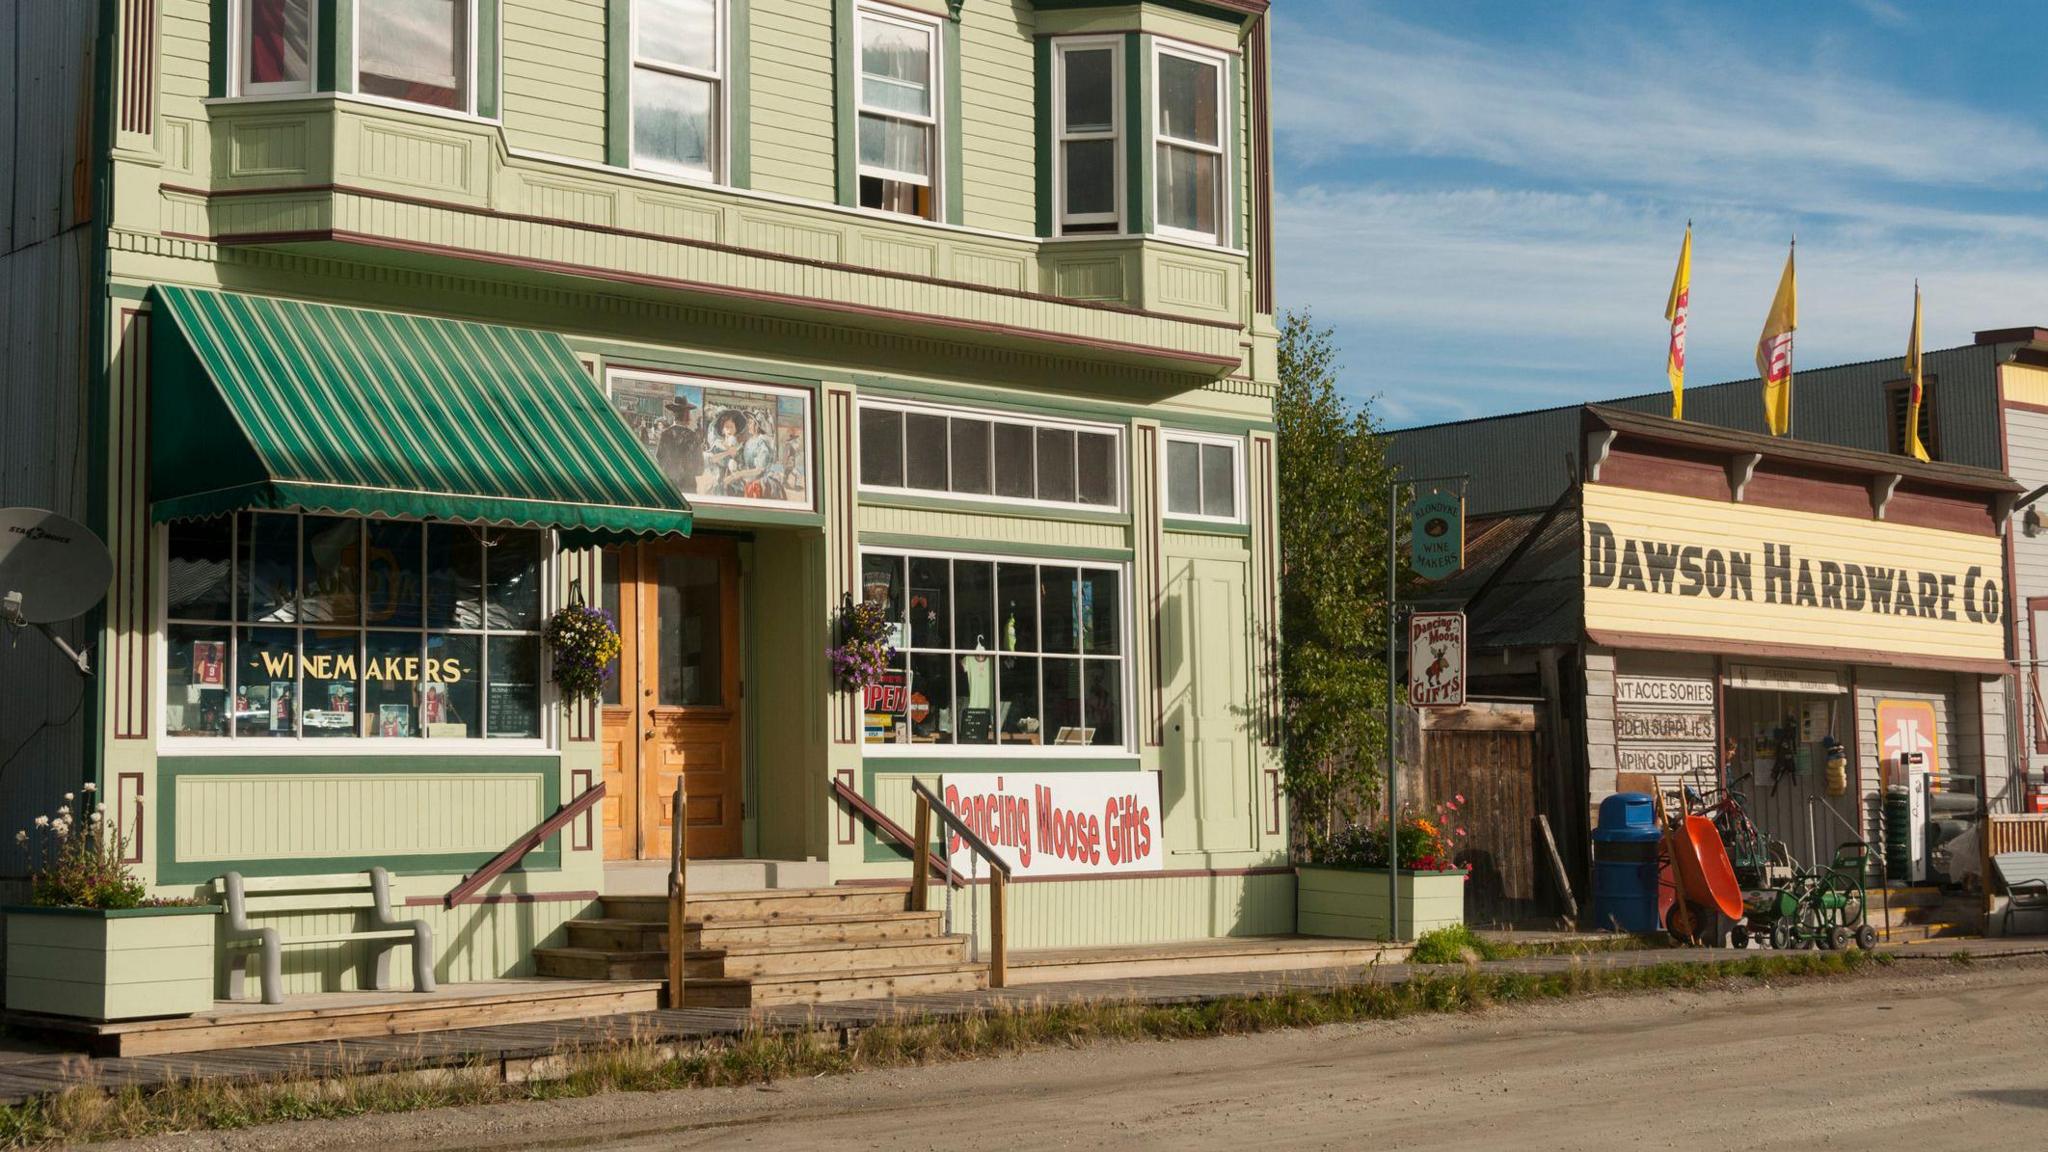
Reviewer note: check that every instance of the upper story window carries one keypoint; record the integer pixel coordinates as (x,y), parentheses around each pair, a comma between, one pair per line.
(1188,94)
(982,456)
(1203,479)
(678,86)
(1088,107)
(897,84)
(273,46)
(417,51)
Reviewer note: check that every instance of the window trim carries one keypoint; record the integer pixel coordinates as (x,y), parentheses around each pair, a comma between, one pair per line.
(934,124)
(1236,444)
(1062,136)
(1126,659)
(720,80)
(547,742)
(241,44)
(1118,466)
(468,108)
(1224,110)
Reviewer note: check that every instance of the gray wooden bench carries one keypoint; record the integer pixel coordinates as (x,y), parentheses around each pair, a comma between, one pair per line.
(2024,876)
(313,895)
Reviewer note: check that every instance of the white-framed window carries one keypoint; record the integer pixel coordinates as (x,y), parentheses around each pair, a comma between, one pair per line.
(273,47)
(896,93)
(1189,106)
(980,455)
(417,52)
(1088,154)
(294,627)
(1026,656)
(679,86)
(1204,477)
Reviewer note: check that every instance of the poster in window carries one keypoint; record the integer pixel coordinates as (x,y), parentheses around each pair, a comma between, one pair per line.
(209,663)
(394,720)
(887,706)
(722,442)
(280,705)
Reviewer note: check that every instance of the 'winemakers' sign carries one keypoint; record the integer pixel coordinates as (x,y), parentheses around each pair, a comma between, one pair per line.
(1058,823)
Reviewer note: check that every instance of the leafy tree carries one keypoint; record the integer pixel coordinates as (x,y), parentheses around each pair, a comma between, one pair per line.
(1333,588)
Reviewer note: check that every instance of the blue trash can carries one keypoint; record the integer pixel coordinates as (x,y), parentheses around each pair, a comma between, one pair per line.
(1625,863)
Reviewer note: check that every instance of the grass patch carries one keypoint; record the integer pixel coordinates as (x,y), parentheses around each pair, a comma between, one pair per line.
(87,1112)
(1459,944)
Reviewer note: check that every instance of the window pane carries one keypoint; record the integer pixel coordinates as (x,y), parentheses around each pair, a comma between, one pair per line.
(415,50)
(1090,103)
(1017,680)
(268,576)
(513,563)
(679,32)
(924,451)
(896,67)
(881,582)
(1187,99)
(1090,177)
(196,679)
(974,605)
(1014,474)
(1187,190)
(1056,464)
(971,468)
(931,600)
(675,123)
(333,569)
(895,146)
(455,577)
(1103,706)
(266,682)
(1219,480)
(279,35)
(1095,455)
(931,698)
(977,697)
(608,600)
(690,658)
(392,677)
(514,686)
(1099,612)
(897,196)
(331,670)
(1183,478)
(1017,593)
(1056,615)
(198,575)
(394,589)
(1062,702)
(448,705)
(881,448)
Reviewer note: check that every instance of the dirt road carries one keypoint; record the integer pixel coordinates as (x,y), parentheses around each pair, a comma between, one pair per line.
(1926,1056)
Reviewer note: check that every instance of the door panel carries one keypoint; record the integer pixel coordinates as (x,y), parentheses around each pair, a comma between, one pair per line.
(689,711)
(1207,656)
(620,736)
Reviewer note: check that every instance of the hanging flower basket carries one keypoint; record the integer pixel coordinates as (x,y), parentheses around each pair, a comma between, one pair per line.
(583,642)
(863,653)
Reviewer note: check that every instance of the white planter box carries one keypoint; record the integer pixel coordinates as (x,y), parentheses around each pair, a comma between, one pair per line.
(1352,902)
(112,964)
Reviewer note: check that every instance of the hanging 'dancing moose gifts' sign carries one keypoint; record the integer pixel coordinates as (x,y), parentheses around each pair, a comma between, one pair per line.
(1436,660)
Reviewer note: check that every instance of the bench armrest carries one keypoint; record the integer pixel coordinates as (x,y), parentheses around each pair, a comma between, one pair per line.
(2034,889)
(380,915)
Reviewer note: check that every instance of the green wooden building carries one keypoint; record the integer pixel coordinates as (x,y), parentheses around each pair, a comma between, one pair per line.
(367,333)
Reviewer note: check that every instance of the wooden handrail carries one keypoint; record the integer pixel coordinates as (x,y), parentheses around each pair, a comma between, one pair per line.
(515,852)
(935,863)
(929,805)
(678,888)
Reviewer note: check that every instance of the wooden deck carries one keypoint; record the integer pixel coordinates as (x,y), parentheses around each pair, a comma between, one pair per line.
(1219,956)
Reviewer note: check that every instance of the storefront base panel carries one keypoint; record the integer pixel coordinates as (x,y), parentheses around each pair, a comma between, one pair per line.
(1134,910)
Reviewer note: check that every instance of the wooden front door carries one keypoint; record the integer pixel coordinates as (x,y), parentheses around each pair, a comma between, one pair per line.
(674,712)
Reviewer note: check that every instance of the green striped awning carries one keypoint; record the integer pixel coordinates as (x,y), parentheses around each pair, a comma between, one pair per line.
(257,402)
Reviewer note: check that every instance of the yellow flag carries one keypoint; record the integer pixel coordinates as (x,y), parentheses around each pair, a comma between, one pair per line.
(1774,352)
(1675,309)
(1914,447)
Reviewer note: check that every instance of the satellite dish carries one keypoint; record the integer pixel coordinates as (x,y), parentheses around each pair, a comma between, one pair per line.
(52,568)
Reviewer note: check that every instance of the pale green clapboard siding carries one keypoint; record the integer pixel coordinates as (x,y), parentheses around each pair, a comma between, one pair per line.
(791,122)
(997,133)
(947,529)
(1085,913)
(311,814)
(555,77)
(472,942)
(186,47)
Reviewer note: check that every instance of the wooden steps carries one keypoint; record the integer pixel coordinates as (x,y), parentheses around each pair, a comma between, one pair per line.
(779,946)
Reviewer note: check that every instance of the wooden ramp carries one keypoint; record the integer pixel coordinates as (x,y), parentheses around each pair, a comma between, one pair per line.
(350,1016)
(1223,955)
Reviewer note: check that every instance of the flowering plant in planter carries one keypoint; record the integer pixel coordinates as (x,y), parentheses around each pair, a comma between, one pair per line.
(863,652)
(77,859)
(583,642)
(1426,843)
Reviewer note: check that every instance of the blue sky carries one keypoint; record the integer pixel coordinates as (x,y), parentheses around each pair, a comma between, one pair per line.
(1485,200)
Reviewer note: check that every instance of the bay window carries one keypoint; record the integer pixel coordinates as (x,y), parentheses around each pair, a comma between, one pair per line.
(274,46)
(678,86)
(896,93)
(1087,107)
(1188,94)
(417,51)
(999,653)
(282,625)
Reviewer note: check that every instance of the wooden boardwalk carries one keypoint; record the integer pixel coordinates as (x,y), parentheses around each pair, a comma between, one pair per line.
(512,1050)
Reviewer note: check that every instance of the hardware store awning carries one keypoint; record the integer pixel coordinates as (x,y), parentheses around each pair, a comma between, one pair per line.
(258,402)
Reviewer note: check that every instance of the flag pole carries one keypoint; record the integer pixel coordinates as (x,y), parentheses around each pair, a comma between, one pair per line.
(1791,344)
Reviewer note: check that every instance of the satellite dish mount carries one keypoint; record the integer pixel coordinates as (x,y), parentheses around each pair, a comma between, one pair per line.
(51,569)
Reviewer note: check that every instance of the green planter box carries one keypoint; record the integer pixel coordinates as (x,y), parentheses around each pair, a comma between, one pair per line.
(1352,902)
(115,964)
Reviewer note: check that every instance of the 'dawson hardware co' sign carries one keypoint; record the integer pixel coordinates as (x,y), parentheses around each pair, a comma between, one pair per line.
(1663,565)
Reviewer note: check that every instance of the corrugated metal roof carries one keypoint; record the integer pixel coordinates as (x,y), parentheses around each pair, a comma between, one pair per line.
(1518,463)
(1520,584)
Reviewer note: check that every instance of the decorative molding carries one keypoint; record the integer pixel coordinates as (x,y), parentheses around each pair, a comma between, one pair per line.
(132,597)
(848,829)
(1881,490)
(1598,444)
(583,833)
(1740,469)
(138,66)
(128,790)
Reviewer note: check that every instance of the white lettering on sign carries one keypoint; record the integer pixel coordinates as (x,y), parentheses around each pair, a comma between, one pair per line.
(1436,659)
(1058,823)
(1667,690)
